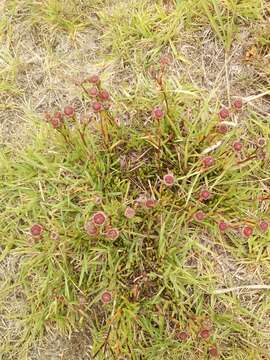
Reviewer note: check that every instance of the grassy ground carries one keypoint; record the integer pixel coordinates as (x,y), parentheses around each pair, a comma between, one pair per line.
(168,274)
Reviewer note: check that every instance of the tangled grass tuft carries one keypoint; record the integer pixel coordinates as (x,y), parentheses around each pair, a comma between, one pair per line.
(122,225)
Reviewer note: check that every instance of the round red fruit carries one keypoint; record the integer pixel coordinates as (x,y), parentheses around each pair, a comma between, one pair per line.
(104,95)
(222,128)
(37,230)
(69,111)
(224,113)
(264,226)
(130,213)
(55,122)
(238,104)
(94,79)
(205,195)
(208,161)
(183,335)
(112,234)
(223,226)
(58,115)
(158,113)
(205,334)
(200,215)
(237,145)
(106,297)
(93,92)
(168,179)
(91,228)
(247,231)
(150,203)
(213,351)
(99,218)
(97,106)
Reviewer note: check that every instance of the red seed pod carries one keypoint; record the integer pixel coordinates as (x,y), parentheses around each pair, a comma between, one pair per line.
(55,122)
(223,226)
(106,297)
(104,95)
(213,351)
(222,128)
(93,92)
(247,231)
(169,179)
(58,115)
(37,229)
(238,104)
(205,195)
(224,113)
(91,229)
(199,215)
(130,213)
(99,218)
(69,111)
(204,334)
(208,161)
(183,335)
(150,203)
(158,113)
(97,106)
(94,79)
(264,226)
(112,234)
(237,146)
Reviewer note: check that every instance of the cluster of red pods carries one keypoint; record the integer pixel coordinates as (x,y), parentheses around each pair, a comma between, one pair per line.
(100,96)
(94,226)
(57,119)
(203,334)
(209,161)
(246,230)
(98,225)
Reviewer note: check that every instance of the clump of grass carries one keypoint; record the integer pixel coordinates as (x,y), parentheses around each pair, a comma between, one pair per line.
(138,33)
(225,17)
(118,224)
(51,17)
(8,72)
